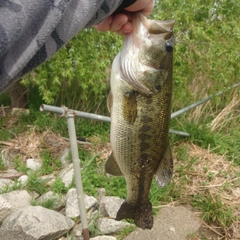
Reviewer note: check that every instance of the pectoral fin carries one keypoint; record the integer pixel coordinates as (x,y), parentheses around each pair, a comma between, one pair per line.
(112,167)
(129,110)
(165,169)
(110,101)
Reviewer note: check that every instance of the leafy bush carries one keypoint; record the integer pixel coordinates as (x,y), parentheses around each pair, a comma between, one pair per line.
(206,56)
(76,75)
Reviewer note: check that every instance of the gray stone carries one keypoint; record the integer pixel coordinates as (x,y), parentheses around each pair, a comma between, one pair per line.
(72,207)
(59,200)
(101,193)
(103,238)
(4,182)
(109,206)
(10,174)
(67,174)
(6,157)
(77,231)
(11,201)
(23,179)
(172,223)
(109,226)
(49,179)
(64,156)
(5,209)
(34,164)
(32,223)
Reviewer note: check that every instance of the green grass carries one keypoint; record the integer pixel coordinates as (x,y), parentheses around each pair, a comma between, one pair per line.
(48,203)
(5,134)
(36,184)
(49,164)
(5,99)
(214,211)
(84,127)
(3,166)
(58,186)
(11,187)
(125,232)
(94,177)
(19,165)
(225,141)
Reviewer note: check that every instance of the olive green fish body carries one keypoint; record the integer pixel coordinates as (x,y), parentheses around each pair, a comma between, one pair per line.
(140,106)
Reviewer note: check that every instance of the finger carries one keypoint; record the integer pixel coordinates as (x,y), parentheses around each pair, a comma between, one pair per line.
(118,22)
(126,28)
(104,25)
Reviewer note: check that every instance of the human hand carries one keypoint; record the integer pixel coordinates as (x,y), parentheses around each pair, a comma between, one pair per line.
(121,22)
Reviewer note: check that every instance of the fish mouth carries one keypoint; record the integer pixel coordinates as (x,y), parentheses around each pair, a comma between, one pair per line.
(159,27)
(141,24)
(144,51)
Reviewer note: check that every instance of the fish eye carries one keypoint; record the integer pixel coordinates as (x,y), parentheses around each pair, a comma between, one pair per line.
(169,46)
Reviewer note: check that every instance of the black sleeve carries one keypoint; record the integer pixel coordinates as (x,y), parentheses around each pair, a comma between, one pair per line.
(124,4)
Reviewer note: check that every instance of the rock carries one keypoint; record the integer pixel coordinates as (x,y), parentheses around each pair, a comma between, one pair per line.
(34,164)
(103,238)
(11,174)
(109,206)
(109,226)
(5,209)
(6,157)
(64,156)
(67,174)
(72,207)
(4,182)
(23,179)
(8,202)
(101,193)
(34,195)
(172,223)
(76,233)
(30,223)
(49,179)
(59,200)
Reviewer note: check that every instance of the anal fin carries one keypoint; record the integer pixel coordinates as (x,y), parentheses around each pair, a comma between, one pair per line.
(165,169)
(112,167)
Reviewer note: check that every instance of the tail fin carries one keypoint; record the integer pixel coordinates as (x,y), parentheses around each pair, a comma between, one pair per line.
(141,214)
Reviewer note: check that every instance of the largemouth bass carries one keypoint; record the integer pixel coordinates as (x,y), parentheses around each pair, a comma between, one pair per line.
(140,107)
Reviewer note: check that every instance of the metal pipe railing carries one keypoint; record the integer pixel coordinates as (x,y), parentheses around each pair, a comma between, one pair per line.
(60,110)
(183,110)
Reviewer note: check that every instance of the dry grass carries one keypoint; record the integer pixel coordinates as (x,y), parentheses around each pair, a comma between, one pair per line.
(226,114)
(215,175)
(222,118)
(31,144)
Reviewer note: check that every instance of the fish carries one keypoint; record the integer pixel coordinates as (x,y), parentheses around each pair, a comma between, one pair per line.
(140,109)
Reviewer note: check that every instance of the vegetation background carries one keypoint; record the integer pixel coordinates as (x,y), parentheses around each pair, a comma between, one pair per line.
(207,59)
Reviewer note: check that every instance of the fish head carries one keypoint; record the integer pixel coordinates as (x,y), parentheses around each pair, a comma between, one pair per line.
(147,54)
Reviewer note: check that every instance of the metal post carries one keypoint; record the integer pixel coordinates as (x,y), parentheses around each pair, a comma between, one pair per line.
(77,172)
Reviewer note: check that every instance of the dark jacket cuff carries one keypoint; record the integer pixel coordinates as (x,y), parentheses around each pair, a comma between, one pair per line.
(124,4)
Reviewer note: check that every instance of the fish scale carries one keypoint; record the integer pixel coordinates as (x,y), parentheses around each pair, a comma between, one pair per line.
(140,107)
